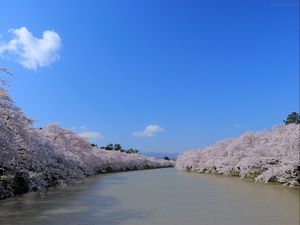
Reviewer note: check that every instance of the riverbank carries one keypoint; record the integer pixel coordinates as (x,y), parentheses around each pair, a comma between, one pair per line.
(268,156)
(15,183)
(27,177)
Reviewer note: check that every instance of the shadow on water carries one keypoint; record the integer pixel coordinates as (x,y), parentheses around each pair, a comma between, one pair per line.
(81,204)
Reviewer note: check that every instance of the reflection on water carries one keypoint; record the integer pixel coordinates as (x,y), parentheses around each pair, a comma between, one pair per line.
(157,197)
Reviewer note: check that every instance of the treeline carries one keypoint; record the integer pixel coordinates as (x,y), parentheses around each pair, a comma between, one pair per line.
(264,156)
(33,159)
(117,147)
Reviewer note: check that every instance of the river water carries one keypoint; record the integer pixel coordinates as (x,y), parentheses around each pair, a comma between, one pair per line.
(156,197)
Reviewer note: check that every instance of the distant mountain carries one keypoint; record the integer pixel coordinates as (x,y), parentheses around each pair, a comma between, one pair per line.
(171,155)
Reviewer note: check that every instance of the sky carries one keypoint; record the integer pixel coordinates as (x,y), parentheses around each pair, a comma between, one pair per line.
(155,75)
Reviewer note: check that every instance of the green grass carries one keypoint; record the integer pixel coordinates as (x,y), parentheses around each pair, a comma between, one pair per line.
(253,175)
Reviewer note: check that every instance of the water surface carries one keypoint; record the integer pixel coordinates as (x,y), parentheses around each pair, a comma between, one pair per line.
(156,197)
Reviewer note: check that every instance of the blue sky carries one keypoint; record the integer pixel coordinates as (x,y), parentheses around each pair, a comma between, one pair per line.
(197,71)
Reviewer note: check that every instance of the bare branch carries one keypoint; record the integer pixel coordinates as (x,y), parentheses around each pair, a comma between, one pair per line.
(6,70)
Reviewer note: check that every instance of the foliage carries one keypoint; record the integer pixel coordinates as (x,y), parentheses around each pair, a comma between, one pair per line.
(118,147)
(109,147)
(292,118)
(131,151)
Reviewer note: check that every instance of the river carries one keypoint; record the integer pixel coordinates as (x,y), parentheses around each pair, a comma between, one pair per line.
(156,197)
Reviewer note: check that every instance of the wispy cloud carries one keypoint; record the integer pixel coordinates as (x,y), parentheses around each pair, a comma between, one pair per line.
(30,51)
(92,135)
(150,130)
(83,131)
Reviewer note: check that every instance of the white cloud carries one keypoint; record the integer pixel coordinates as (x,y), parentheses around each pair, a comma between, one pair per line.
(30,51)
(150,130)
(92,135)
(83,131)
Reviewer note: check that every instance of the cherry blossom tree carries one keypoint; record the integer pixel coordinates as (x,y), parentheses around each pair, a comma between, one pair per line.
(33,159)
(265,156)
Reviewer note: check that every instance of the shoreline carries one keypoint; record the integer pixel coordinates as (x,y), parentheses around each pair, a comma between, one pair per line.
(78,181)
(247,179)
